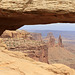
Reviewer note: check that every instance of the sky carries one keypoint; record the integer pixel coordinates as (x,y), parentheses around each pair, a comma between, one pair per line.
(56,26)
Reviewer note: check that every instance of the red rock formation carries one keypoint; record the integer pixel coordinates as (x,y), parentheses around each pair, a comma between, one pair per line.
(49,34)
(36,36)
(60,41)
(34,49)
(51,41)
(16,34)
(40,54)
(47,39)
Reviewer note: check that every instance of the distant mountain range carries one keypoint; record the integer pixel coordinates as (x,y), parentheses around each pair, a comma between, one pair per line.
(65,34)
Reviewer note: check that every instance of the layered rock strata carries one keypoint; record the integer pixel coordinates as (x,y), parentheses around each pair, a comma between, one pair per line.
(17,63)
(36,36)
(35,49)
(14,14)
(16,34)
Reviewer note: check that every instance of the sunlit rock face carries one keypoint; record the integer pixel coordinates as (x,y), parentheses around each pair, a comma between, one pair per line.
(23,41)
(16,34)
(16,13)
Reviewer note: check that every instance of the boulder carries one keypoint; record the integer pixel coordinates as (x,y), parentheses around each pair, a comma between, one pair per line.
(34,49)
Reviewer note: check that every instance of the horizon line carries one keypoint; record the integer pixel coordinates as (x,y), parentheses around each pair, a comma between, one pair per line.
(46,30)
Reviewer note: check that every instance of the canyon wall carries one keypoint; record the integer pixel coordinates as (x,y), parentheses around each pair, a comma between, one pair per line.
(48,52)
(17,63)
(57,53)
(36,36)
(34,49)
(21,40)
(16,34)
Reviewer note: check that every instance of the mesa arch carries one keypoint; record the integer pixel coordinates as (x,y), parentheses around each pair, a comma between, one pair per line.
(16,13)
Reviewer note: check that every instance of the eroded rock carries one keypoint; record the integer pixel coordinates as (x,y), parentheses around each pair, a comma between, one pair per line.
(36,36)
(14,14)
(19,64)
(52,41)
(16,34)
(60,41)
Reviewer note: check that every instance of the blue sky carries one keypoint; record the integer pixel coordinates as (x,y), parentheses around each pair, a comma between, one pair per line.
(56,26)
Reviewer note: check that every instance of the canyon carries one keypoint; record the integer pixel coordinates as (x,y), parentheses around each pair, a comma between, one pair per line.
(21,56)
(49,50)
(18,63)
(25,42)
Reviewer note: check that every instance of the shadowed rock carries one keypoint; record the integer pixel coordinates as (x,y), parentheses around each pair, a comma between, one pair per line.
(14,14)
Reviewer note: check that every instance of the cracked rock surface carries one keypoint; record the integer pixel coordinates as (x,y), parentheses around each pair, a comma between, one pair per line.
(16,13)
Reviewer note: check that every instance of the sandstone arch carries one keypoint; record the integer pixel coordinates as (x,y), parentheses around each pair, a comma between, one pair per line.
(16,13)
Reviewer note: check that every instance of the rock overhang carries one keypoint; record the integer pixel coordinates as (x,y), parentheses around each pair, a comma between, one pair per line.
(14,14)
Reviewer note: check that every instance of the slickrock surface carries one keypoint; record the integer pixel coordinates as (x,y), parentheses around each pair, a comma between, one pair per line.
(16,13)
(17,63)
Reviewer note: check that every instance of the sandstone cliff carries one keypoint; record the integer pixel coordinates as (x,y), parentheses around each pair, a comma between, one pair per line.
(17,63)
(50,52)
(35,49)
(16,34)
(36,36)
(50,34)
(16,13)
(57,53)
(51,40)
(21,40)
(60,41)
